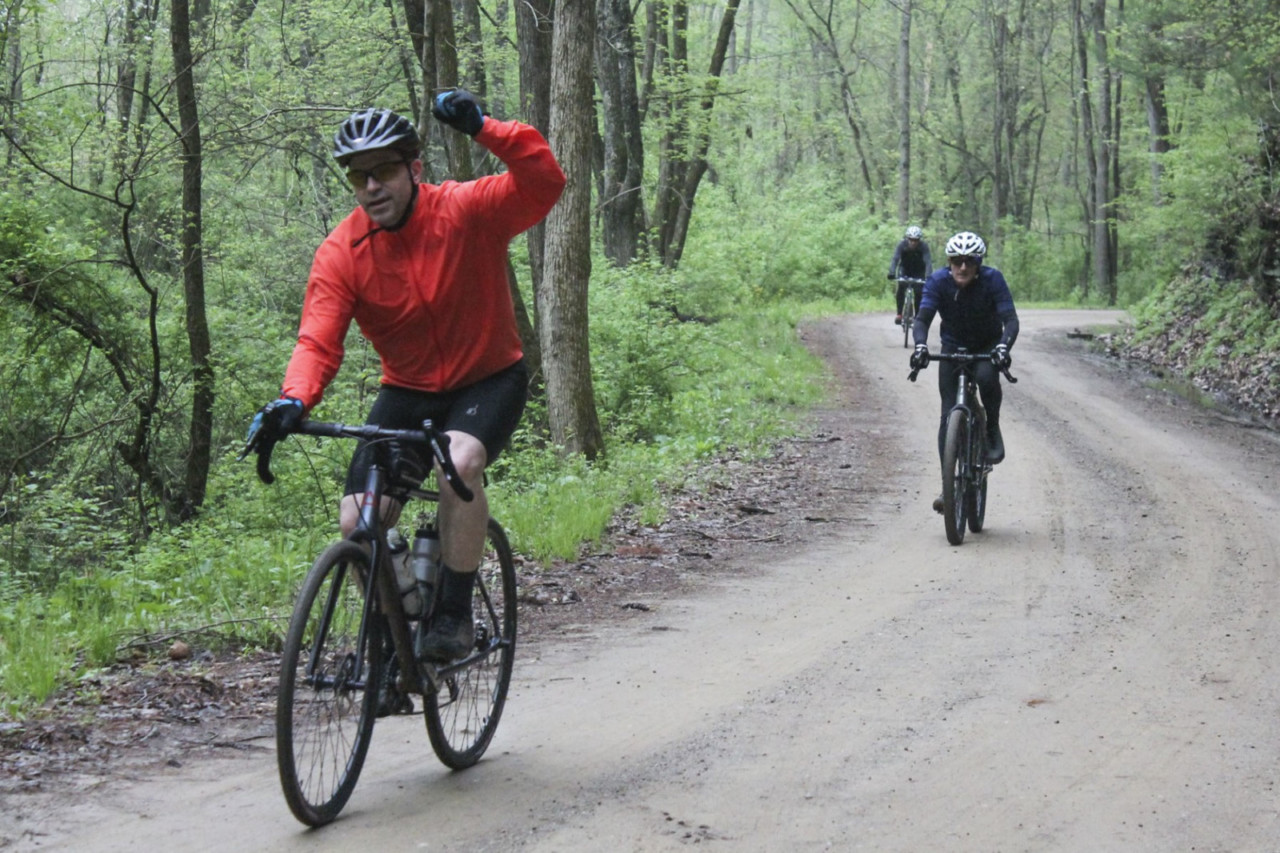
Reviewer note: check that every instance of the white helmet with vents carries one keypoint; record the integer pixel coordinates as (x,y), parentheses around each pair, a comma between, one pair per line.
(966,243)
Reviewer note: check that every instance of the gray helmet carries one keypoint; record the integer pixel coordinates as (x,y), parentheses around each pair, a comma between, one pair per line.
(914,232)
(966,243)
(369,130)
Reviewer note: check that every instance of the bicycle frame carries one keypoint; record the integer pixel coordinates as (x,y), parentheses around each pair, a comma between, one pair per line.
(914,291)
(381,591)
(910,305)
(335,649)
(965,468)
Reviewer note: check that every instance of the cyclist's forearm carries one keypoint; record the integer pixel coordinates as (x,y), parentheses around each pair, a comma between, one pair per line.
(1010,329)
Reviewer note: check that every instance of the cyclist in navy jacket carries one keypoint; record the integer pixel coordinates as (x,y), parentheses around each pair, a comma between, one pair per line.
(911,259)
(978,315)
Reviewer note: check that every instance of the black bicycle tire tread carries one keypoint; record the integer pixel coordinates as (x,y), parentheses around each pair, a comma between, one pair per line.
(952,503)
(976,508)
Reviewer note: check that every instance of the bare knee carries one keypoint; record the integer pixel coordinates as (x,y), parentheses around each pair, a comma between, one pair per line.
(348,514)
(350,508)
(469,457)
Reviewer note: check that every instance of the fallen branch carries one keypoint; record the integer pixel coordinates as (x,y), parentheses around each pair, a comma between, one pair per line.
(163,639)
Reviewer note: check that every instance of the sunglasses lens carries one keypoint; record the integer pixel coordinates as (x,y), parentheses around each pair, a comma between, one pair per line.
(387,172)
(359,178)
(964,261)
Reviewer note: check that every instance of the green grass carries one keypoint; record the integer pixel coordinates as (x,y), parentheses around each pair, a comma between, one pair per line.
(687,393)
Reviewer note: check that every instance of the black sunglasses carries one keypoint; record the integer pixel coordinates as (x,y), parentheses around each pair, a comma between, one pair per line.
(382,173)
(965,260)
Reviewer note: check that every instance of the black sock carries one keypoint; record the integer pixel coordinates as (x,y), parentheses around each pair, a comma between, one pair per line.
(455,591)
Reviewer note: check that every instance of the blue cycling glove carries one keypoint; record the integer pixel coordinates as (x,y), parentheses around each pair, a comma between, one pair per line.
(460,110)
(274,421)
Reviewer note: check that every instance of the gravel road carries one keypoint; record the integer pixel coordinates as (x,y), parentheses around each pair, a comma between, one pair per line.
(1094,671)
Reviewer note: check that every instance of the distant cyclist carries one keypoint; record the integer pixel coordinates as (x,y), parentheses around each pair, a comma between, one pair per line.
(911,259)
(978,316)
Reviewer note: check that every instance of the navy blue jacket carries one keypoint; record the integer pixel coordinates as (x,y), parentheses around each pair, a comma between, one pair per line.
(911,263)
(975,317)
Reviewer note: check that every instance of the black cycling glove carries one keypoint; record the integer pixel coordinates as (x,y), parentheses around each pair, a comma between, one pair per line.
(460,110)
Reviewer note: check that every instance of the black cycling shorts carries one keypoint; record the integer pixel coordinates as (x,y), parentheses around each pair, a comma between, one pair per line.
(489,410)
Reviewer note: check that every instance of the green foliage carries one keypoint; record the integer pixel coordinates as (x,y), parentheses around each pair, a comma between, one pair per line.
(799,242)
(792,219)
(1198,320)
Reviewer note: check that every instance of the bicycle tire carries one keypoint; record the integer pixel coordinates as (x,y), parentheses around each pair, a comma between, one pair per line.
(908,316)
(976,494)
(463,714)
(324,720)
(954,465)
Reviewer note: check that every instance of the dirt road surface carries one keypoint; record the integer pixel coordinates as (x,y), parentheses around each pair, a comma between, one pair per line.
(1096,671)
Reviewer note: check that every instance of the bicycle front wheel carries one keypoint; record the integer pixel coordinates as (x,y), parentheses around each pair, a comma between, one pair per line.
(329,675)
(463,714)
(954,469)
(976,494)
(908,317)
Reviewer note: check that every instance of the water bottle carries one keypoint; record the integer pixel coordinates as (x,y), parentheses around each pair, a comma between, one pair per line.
(404,573)
(424,564)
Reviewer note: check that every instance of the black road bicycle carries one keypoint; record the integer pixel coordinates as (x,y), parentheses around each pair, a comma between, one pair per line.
(964,451)
(910,304)
(349,651)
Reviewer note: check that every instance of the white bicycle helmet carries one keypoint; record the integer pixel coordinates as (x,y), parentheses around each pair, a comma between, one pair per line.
(966,243)
(369,130)
(913,232)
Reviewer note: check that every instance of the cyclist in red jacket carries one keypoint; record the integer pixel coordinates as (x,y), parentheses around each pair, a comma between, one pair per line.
(422,270)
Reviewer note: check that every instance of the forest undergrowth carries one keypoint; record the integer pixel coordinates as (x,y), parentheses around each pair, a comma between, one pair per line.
(1211,334)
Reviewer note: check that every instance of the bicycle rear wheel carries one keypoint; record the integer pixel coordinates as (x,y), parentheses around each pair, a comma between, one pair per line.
(954,465)
(976,494)
(329,675)
(463,715)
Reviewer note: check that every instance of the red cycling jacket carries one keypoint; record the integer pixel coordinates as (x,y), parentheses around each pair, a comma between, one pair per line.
(432,296)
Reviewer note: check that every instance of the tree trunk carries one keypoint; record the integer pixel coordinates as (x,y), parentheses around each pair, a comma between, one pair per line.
(701,141)
(904,115)
(1103,223)
(1004,103)
(623,146)
(474,76)
(1158,126)
(528,331)
(534,27)
(202,398)
(673,160)
(967,174)
(11,70)
(413,89)
(562,297)
(1089,138)
(457,146)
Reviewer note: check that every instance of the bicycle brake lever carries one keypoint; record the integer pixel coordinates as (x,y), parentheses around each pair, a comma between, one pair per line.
(264,463)
(912,375)
(263,449)
(447,467)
